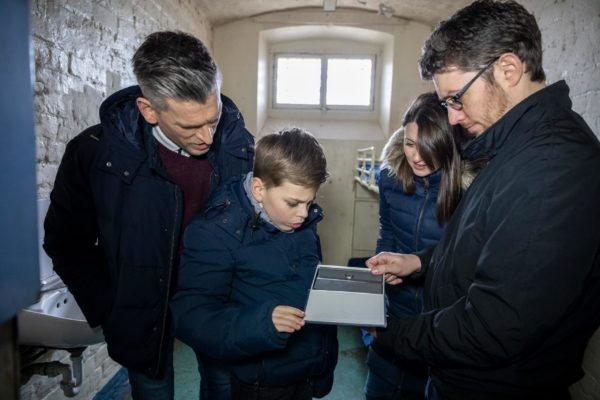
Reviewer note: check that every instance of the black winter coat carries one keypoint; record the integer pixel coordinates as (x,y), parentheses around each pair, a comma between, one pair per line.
(113,226)
(512,291)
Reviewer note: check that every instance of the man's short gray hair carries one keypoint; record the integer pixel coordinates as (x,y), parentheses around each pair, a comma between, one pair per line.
(175,65)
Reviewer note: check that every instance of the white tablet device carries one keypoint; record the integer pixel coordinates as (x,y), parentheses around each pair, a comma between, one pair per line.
(346,296)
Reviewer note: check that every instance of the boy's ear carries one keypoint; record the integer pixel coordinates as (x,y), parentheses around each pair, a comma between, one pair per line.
(146,109)
(258,189)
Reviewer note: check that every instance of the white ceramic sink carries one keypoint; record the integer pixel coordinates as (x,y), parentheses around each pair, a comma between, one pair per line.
(55,320)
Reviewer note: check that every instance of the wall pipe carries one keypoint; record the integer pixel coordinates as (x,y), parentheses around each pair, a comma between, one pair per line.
(72,375)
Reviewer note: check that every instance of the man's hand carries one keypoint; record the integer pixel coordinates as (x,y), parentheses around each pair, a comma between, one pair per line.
(394,266)
(287,319)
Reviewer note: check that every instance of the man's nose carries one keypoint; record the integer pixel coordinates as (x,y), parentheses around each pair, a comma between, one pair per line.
(205,134)
(455,116)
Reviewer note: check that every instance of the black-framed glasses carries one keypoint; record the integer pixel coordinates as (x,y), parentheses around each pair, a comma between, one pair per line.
(454,101)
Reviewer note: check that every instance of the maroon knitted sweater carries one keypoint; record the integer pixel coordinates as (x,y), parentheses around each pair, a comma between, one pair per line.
(192,175)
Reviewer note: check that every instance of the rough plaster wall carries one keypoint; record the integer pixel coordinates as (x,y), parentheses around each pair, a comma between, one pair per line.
(82,51)
(570,36)
(570,33)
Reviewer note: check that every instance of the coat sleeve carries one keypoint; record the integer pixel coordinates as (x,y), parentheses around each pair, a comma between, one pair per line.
(536,265)
(204,317)
(385,240)
(71,231)
(425,257)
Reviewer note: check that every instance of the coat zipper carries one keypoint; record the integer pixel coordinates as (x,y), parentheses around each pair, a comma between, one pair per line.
(420,218)
(169,277)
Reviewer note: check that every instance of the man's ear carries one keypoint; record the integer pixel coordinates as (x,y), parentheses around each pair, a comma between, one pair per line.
(510,70)
(147,111)
(258,189)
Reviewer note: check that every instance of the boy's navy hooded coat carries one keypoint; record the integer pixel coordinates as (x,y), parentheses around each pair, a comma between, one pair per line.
(236,268)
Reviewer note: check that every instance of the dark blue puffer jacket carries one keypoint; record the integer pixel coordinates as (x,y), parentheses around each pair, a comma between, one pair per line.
(407,223)
(113,225)
(235,269)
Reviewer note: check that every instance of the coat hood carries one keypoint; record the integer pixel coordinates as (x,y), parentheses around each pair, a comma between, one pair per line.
(120,116)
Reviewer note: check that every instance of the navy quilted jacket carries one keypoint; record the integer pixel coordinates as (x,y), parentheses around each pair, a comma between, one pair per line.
(407,223)
(112,229)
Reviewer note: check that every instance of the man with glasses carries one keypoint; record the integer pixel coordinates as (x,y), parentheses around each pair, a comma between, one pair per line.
(454,100)
(512,292)
(125,190)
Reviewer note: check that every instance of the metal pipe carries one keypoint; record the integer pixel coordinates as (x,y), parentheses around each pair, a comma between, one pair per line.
(72,375)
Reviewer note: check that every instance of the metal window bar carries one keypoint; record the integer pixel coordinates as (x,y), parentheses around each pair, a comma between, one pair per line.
(365,167)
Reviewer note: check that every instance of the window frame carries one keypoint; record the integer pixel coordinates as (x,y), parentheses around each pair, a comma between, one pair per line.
(323,80)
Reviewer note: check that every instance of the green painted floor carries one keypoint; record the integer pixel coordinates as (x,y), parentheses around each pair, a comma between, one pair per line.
(349,379)
(350,372)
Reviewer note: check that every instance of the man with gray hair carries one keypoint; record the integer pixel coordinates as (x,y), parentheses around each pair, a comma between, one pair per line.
(125,190)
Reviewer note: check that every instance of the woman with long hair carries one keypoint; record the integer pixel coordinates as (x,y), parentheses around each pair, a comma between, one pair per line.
(419,188)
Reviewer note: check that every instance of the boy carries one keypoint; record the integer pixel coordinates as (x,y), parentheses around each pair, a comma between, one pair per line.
(247,267)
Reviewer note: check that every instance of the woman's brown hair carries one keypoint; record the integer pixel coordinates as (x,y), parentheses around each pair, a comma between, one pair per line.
(436,144)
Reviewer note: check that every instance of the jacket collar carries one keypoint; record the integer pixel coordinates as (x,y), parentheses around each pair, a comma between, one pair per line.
(433,182)
(233,194)
(227,135)
(541,105)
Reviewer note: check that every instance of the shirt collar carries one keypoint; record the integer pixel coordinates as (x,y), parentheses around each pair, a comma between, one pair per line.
(168,143)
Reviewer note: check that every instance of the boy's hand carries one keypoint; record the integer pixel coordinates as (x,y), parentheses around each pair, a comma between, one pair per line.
(287,319)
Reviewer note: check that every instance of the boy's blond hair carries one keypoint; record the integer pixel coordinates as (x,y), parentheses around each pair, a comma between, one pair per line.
(291,154)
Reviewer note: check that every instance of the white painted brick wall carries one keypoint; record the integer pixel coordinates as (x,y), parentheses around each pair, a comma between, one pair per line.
(82,51)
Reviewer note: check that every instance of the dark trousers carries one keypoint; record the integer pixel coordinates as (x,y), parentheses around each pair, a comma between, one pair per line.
(294,391)
(434,393)
(161,388)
